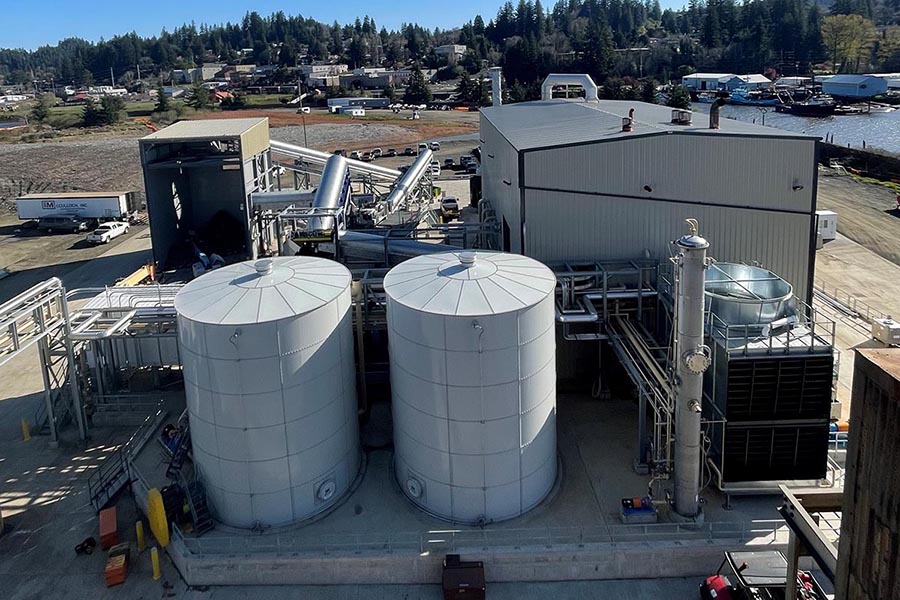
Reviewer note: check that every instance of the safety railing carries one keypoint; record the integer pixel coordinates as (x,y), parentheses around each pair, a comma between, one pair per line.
(759,532)
(852,306)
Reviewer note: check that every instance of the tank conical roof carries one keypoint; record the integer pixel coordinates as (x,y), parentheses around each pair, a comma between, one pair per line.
(262,291)
(469,283)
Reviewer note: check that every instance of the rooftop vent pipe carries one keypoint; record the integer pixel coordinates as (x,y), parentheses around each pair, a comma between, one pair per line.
(585,81)
(628,122)
(496,92)
(714,113)
(681,117)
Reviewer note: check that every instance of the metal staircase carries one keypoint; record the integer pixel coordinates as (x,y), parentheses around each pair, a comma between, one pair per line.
(200,515)
(108,480)
(173,471)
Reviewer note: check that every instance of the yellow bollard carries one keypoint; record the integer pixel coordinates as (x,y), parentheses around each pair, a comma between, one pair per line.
(154,558)
(26,430)
(139,528)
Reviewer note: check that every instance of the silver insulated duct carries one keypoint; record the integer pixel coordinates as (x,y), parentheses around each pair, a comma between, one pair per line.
(692,358)
(333,185)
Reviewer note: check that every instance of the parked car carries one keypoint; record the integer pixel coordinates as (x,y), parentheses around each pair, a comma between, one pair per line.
(435,170)
(465,159)
(449,208)
(391,152)
(409,152)
(435,146)
(448,163)
(421,148)
(65,223)
(366,157)
(340,152)
(107,231)
(355,155)
(377,153)
(472,168)
(403,168)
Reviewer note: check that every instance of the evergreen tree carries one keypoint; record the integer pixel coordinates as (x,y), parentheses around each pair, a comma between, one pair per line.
(112,109)
(417,91)
(163,105)
(679,98)
(198,97)
(41,110)
(92,116)
(648,91)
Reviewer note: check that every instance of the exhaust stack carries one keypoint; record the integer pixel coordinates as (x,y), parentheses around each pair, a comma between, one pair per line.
(692,358)
(714,113)
(496,92)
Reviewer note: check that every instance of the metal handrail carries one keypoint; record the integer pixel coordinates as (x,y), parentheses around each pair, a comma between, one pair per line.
(773,531)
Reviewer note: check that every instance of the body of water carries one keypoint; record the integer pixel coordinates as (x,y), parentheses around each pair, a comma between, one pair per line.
(877,129)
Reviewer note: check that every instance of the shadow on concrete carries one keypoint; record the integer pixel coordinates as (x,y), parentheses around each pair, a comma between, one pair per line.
(93,272)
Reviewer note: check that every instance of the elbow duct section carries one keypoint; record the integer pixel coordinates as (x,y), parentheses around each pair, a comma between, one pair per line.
(331,192)
(585,81)
(408,181)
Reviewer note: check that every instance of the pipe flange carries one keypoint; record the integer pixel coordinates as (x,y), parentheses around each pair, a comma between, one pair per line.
(697,360)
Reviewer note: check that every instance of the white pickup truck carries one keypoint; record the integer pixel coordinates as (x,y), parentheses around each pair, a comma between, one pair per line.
(107,231)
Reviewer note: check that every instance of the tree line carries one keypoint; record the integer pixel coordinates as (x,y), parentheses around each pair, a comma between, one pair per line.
(605,38)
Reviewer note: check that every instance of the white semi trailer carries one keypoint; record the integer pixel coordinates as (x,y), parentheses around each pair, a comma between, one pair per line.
(87,205)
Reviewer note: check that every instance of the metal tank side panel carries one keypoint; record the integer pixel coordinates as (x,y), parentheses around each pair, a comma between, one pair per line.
(272,404)
(474,395)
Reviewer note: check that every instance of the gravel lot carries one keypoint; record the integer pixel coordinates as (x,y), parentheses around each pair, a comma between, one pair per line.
(333,136)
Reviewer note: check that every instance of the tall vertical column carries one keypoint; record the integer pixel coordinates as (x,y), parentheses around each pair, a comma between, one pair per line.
(692,360)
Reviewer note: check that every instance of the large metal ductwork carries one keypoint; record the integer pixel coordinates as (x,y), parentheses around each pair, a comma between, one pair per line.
(584,80)
(320,158)
(406,185)
(496,91)
(331,188)
(692,359)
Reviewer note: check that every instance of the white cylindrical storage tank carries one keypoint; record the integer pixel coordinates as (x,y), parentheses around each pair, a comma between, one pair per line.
(473,380)
(269,376)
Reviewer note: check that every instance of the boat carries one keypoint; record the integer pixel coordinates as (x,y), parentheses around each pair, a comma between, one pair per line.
(707,97)
(747,97)
(821,105)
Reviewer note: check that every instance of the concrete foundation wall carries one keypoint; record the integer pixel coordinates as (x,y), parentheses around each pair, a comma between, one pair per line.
(562,563)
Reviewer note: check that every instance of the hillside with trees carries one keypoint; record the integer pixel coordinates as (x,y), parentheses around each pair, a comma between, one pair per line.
(609,39)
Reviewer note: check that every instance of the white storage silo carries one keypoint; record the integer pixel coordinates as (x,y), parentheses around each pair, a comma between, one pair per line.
(267,352)
(473,379)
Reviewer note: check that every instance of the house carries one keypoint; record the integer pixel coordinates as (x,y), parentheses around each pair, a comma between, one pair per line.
(450,51)
(706,81)
(855,87)
(749,82)
(323,70)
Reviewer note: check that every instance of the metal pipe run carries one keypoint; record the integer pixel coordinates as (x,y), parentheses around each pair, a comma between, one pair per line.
(692,358)
(320,158)
(409,181)
(332,187)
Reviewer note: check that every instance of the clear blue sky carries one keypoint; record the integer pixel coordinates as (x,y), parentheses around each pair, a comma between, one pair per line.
(29,24)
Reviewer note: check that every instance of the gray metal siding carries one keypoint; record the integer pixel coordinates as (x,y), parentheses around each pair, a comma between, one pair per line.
(733,171)
(569,226)
(500,164)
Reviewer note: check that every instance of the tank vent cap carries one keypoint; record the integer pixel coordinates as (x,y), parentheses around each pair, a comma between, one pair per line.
(263,267)
(326,490)
(467,258)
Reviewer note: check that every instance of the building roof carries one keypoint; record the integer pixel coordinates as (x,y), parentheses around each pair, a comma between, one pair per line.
(709,76)
(852,79)
(549,123)
(204,129)
(73,195)
(754,78)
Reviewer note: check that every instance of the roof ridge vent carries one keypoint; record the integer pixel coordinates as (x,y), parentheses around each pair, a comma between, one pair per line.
(681,116)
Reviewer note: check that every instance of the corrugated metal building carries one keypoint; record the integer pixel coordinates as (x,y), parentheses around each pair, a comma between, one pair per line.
(869,552)
(569,184)
(199,176)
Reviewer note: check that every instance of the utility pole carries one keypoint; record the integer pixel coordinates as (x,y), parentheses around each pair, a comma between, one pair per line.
(112,80)
(139,71)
